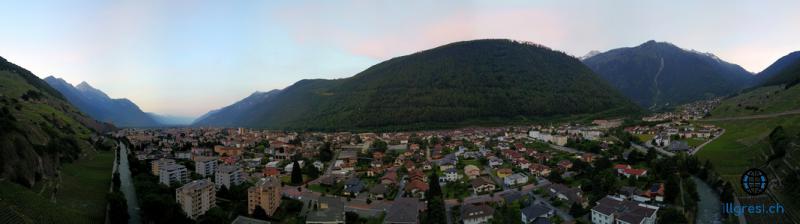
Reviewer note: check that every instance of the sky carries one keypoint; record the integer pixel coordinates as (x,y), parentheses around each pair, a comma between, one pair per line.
(188,57)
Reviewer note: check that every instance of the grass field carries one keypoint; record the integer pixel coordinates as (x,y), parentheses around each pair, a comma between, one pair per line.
(744,144)
(84,184)
(80,198)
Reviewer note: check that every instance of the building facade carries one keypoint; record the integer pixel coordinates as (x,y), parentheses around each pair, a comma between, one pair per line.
(266,193)
(171,174)
(196,197)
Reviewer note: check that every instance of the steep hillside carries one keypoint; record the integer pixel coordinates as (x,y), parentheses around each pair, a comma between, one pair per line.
(778,92)
(785,71)
(39,129)
(228,116)
(95,103)
(460,83)
(658,74)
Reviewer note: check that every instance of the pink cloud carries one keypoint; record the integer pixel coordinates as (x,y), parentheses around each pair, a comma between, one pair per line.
(362,36)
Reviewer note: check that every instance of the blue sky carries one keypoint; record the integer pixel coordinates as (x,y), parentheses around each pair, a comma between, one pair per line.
(187,57)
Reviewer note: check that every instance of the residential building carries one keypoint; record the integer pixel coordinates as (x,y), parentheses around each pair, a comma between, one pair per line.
(353,186)
(170,174)
(196,197)
(228,176)
(155,165)
(613,210)
(476,214)
(329,211)
(450,175)
(515,179)
(534,213)
(403,211)
(482,185)
(472,171)
(205,166)
(565,193)
(247,220)
(266,194)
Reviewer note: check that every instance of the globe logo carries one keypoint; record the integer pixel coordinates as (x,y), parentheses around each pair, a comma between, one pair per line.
(754,181)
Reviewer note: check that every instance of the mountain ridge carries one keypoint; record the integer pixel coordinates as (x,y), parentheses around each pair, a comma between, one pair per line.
(97,104)
(492,79)
(661,74)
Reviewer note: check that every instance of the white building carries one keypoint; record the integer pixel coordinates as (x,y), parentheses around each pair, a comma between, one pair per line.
(515,179)
(173,174)
(196,197)
(228,176)
(205,166)
(613,210)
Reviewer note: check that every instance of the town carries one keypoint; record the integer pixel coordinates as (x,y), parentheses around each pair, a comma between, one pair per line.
(606,171)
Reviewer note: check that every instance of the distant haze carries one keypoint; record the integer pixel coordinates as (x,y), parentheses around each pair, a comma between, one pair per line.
(188,57)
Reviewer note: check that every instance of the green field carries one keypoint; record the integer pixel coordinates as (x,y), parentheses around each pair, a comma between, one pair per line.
(80,197)
(744,144)
(764,100)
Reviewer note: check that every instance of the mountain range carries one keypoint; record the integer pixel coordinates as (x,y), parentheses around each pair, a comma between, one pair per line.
(659,74)
(96,104)
(458,83)
(230,115)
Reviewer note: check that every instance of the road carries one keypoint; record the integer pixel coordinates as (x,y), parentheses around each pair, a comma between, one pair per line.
(704,143)
(644,149)
(329,169)
(759,116)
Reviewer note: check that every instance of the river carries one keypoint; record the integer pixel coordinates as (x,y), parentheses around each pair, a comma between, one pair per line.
(709,208)
(127,187)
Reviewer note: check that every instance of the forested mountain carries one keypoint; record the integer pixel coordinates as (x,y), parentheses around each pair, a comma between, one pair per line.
(460,83)
(39,129)
(229,115)
(785,71)
(96,104)
(659,74)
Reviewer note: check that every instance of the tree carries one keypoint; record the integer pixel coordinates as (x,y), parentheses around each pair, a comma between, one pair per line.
(380,146)
(436,211)
(671,189)
(671,215)
(312,172)
(118,208)
(259,213)
(602,163)
(214,215)
(351,218)
(577,210)
(325,153)
(297,174)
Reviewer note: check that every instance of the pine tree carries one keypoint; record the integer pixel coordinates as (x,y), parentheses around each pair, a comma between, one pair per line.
(436,210)
(297,174)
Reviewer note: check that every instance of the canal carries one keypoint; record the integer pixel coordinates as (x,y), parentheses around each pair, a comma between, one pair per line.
(709,208)
(127,187)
